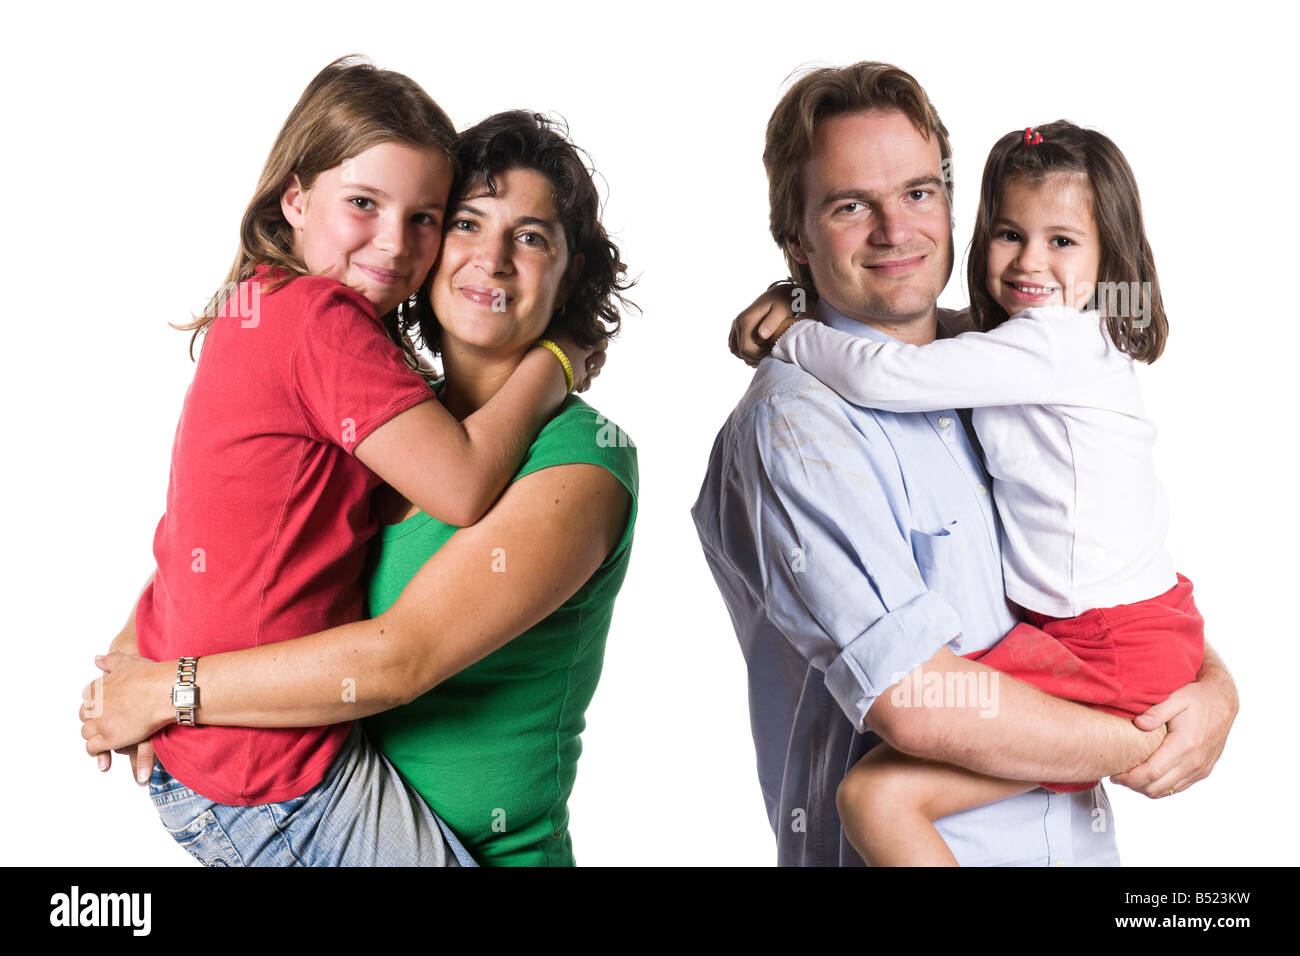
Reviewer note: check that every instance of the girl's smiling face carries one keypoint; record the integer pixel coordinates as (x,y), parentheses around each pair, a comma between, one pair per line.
(504,263)
(1045,248)
(373,222)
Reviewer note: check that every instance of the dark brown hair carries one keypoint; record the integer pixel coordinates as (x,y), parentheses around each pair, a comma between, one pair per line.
(518,139)
(1126,256)
(820,94)
(349,107)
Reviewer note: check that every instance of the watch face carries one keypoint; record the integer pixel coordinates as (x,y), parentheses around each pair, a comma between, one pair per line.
(182,696)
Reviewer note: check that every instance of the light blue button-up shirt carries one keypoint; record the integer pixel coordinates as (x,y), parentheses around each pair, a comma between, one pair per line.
(849,546)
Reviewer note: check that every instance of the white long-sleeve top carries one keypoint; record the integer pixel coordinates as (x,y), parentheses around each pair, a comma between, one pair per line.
(1057,410)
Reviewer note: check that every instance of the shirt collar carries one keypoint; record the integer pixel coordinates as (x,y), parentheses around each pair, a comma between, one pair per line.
(828,315)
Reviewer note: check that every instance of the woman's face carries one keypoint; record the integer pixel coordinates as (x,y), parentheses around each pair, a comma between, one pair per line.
(503,265)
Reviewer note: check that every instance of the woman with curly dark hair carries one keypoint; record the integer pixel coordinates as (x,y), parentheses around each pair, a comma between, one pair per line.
(486,642)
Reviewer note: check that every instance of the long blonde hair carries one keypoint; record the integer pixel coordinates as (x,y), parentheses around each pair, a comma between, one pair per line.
(349,107)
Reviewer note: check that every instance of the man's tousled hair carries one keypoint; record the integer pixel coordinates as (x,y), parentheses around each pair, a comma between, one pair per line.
(817,95)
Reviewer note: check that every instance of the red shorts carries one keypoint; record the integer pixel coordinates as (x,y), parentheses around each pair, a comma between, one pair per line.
(1123,660)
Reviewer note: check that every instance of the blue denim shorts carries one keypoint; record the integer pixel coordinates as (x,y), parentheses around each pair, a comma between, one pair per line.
(361,814)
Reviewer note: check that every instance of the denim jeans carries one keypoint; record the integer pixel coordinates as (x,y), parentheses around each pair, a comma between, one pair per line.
(360,814)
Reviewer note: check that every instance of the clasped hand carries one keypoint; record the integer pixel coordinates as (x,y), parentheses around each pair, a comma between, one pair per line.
(115,717)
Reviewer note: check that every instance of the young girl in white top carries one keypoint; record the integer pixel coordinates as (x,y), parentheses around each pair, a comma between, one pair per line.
(1065,298)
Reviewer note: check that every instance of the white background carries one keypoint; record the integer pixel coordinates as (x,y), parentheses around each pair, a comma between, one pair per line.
(134,136)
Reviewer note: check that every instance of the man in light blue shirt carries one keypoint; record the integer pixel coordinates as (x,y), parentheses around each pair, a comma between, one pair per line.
(857,550)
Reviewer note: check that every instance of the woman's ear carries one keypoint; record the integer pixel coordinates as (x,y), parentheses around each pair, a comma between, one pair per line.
(293,202)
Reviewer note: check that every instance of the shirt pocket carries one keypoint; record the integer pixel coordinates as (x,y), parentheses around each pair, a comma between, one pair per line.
(936,559)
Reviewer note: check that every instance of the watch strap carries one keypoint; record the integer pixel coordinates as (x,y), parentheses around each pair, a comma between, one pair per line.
(186,676)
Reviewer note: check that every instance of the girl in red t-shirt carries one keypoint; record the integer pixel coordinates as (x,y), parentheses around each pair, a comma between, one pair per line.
(308,395)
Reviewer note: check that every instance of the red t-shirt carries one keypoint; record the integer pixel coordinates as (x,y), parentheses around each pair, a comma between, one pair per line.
(268,512)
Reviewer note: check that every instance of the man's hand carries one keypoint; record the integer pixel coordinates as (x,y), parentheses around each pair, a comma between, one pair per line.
(1199,718)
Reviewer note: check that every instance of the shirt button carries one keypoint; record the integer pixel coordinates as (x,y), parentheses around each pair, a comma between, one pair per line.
(945,421)
(1060,863)
(982,490)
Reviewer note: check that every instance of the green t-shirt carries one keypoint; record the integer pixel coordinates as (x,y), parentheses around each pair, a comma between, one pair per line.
(494,749)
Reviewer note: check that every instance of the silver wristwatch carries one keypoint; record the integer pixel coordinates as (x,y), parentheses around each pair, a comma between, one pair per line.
(185,692)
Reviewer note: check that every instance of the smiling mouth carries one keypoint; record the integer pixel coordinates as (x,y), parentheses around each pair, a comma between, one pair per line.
(1025,289)
(484,296)
(897,265)
(386,276)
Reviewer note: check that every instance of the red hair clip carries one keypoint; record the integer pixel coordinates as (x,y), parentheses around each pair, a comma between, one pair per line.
(1032,136)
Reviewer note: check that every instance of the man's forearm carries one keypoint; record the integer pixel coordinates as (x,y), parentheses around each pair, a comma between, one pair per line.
(1011,730)
(1214,673)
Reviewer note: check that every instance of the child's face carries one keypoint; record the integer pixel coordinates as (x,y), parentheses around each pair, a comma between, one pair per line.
(503,267)
(1045,248)
(373,222)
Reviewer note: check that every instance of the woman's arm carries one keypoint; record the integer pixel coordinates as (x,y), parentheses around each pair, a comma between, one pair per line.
(553,528)
(1039,357)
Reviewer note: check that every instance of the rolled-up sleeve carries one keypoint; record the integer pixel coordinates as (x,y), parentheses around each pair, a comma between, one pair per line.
(838,577)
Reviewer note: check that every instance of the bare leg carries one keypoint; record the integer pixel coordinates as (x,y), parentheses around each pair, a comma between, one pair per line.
(888,804)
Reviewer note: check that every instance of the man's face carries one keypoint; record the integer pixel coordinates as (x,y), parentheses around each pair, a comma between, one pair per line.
(876,230)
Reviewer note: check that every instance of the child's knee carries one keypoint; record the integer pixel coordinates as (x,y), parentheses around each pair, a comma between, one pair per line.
(872,790)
